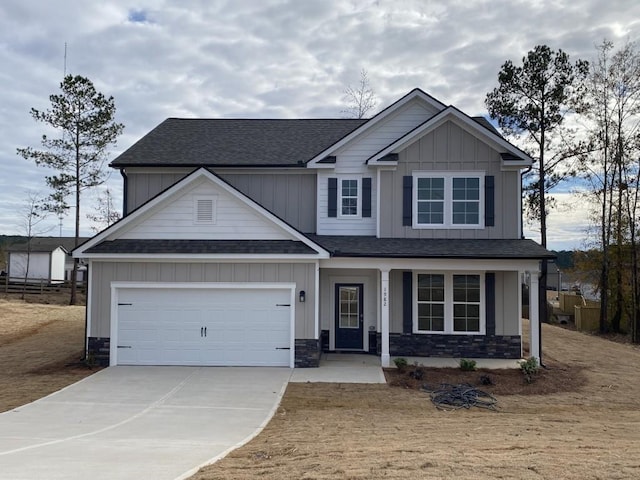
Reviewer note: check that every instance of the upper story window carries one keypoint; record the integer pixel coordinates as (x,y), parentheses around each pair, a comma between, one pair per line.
(445,200)
(349,198)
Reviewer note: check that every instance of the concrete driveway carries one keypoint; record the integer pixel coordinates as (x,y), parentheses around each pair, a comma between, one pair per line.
(139,422)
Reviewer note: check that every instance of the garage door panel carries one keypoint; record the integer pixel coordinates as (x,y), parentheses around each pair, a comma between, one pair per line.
(161,326)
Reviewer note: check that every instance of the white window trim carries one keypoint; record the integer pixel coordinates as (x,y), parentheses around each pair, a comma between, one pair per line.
(358,197)
(448,303)
(448,200)
(214,205)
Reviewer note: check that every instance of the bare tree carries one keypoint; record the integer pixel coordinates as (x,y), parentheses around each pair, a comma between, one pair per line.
(106,214)
(612,171)
(361,99)
(33,214)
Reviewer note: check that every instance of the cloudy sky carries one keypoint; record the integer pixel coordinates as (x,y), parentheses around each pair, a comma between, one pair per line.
(272,59)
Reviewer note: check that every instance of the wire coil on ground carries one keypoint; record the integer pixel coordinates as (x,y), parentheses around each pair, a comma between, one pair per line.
(455,397)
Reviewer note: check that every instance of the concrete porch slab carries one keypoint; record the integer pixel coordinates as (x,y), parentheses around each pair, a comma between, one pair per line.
(342,368)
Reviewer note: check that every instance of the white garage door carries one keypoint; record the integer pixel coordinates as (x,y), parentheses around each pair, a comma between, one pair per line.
(189,326)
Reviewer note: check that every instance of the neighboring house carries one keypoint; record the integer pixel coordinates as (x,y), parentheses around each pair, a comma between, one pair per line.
(48,259)
(265,242)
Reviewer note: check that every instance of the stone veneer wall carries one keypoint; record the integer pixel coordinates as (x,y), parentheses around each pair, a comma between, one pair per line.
(98,351)
(307,353)
(454,346)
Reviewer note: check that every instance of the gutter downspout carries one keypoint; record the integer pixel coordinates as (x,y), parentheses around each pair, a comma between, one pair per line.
(125,191)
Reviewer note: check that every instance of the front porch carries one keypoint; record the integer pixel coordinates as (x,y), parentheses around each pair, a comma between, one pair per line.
(380,305)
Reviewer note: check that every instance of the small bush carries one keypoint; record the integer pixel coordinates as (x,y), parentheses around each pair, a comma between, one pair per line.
(529,368)
(485,380)
(401,363)
(467,365)
(417,373)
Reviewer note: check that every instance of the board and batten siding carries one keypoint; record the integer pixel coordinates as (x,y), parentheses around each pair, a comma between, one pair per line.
(507,320)
(290,196)
(103,273)
(234,219)
(143,186)
(450,148)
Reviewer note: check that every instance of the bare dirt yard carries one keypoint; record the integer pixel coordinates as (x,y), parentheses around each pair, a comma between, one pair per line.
(579,420)
(40,350)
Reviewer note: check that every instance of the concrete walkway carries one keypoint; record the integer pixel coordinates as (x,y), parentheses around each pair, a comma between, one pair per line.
(138,422)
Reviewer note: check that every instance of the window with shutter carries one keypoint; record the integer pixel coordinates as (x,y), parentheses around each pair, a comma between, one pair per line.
(447,200)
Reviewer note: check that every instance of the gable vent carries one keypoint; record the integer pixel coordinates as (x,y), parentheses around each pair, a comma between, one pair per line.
(204,210)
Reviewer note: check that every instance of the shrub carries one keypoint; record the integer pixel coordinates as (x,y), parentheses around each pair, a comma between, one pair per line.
(401,363)
(417,372)
(529,368)
(467,365)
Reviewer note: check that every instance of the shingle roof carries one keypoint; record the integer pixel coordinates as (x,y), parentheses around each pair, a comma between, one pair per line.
(356,246)
(47,244)
(125,246)
(235,142)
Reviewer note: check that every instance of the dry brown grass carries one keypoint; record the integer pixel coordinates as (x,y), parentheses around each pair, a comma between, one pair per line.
(588,429)
(580,420)
(40,350)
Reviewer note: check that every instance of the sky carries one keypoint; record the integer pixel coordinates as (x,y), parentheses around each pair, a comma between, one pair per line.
(272,59)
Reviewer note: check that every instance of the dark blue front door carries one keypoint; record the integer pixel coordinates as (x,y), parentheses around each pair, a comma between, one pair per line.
(349,316)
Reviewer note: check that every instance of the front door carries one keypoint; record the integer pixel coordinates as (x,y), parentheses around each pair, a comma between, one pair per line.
(349,316)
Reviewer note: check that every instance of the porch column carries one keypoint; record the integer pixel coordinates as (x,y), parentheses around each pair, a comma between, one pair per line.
(534,316)
(384,317)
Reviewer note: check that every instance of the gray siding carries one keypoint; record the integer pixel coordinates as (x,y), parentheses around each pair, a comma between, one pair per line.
(103,273)
(291,196)
(450,148)
(142,187)
(507,318)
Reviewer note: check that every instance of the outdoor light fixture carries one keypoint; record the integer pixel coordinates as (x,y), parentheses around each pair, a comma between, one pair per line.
(303,296)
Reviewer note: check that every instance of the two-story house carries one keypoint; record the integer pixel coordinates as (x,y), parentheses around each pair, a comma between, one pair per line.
(266,242)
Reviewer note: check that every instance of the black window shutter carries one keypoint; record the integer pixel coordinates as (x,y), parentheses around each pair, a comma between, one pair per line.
(407,302)
(490,294)
(366,197)
(489,201)
(332,207)
(407,200)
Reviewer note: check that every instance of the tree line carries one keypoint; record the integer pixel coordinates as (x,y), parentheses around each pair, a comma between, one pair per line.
(581,120)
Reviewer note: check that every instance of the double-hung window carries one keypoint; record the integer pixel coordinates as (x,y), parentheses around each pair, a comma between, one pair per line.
(348,204)
(450,303)
(445,200)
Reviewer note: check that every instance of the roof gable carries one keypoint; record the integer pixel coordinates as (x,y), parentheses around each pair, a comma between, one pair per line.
(170,216)
(415,98)
(517,157)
